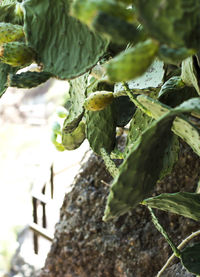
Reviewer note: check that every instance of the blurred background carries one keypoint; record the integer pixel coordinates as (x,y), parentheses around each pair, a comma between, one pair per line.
(34,176)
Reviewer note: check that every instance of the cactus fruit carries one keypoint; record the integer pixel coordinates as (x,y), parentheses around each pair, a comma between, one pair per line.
(133,62)
(74,139)
(28,79)
(16,54)
(98,100)
(10,32)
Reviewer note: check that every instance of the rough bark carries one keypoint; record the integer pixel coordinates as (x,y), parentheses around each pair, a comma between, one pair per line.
(85,246)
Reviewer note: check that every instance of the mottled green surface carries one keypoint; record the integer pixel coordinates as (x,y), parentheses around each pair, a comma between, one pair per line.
(190,73)
(133,62)
(28,79)
(75,138)
(172,22)
(139,123)
(182,203)
(16,54)
(98,100)
(10,32)
(174,92)
(181,125)
(77,98)
(190,258)
(174,55)
(5,69)
(101,129)
(140,170)
(65,47)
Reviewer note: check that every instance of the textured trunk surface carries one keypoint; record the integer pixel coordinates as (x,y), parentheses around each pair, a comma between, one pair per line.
(85,246)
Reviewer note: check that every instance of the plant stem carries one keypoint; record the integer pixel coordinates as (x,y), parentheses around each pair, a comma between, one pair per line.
(180,246)
(164,233)
(110,165)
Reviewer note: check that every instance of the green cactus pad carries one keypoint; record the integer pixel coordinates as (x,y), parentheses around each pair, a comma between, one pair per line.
(174,92)
(138,174)
(133,62)
(28,79)
(5,69)
(174,55)
(66,47)
(172,22)
(124,110)
(190,73)
(77,98)
(170,157)
(16,54)
(101,129)
(139,123)
(86,10)
(117,29)
(190,258)
(75,138)
(182,203)
(10,32)
(181,126)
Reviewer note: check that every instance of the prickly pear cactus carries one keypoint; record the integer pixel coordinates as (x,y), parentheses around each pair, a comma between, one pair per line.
(11,12)
(28,79)
(72,140)
(16,54)
(101,129)
(66,48)
(10,32)
(138,175)
(77,97)
(5,69)
(98,100)
(173,22)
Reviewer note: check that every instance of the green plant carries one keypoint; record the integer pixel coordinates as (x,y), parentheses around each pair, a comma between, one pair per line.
(127,39)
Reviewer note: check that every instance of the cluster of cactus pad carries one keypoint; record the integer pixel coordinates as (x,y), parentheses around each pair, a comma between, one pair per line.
(99,46)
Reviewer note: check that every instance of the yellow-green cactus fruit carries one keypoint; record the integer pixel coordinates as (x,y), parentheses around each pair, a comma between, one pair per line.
(10,32)
(98,100)
(16,54)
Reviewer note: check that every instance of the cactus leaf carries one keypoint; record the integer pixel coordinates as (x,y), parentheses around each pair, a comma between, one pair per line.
(173,22)
(77,98)
(133,62)
(190,258)
(5,69)
(101,129)
(182,203)
(66,48)
(181,125)
(138,175)
(28,79)
(75,138)
(174,92)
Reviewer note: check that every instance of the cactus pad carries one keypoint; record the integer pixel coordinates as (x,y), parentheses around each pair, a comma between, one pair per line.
(138,175)
(5,69)
(190,258)
(65,47)
(28,79)
(181,126)
(101,129)
(182,203)
(10,32)
(133,62)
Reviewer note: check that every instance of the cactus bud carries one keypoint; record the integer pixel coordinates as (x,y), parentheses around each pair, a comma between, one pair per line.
(10,32)
(16,54)
(98,100)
